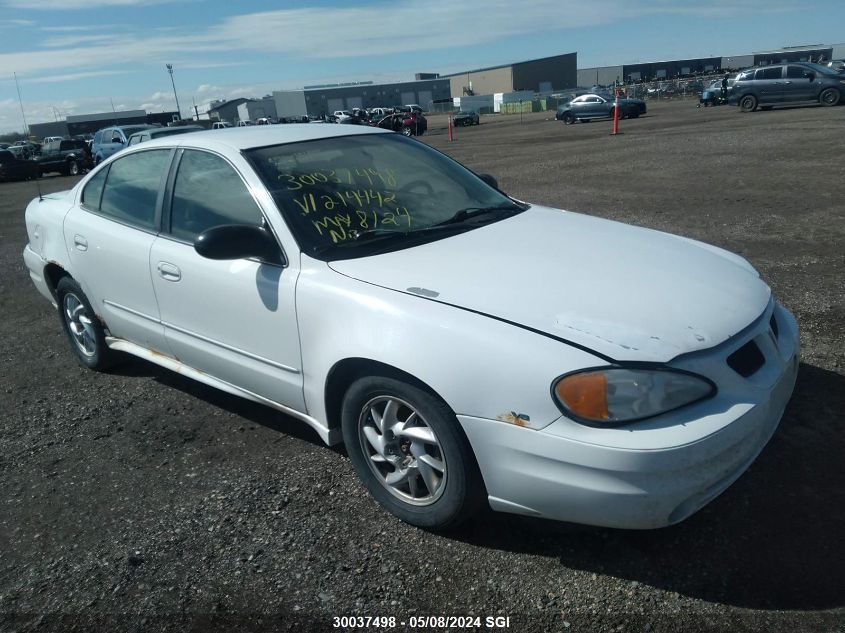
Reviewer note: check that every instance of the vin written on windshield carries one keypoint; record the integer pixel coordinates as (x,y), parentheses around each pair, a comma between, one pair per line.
(332,190)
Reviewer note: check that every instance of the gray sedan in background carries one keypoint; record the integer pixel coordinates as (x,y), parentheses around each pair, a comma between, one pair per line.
(595,106)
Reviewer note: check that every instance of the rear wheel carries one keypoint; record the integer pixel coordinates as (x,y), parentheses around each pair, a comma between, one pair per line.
(409,451)
(407,131)
(83,329)
(748,103)
(829,97)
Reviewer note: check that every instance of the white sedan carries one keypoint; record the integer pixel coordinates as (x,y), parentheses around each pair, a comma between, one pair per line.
(466,347)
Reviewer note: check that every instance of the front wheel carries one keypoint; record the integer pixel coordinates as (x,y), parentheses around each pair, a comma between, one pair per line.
(82,327)
(409,451)
(568,118)
(72,168)
(829,97)
(748,103)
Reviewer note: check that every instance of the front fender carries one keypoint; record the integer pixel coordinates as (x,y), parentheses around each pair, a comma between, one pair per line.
(480,366)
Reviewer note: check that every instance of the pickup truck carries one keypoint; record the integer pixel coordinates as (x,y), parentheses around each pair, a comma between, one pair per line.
(68,157)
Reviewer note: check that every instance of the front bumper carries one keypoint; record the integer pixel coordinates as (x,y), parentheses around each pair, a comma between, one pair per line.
(642,476)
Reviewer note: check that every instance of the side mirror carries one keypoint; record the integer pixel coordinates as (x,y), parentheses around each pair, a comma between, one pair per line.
(811,77)
(116,139)
(238,241)
(490,180)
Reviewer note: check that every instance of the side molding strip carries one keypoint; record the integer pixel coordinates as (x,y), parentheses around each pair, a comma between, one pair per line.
(329,436)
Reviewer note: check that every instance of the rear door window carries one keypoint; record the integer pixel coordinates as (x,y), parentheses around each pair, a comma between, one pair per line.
(132,186)
(798,72)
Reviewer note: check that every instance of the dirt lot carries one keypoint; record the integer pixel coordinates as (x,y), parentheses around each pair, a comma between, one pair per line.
(138,500)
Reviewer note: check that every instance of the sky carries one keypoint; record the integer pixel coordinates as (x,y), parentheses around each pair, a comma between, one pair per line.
(84,56)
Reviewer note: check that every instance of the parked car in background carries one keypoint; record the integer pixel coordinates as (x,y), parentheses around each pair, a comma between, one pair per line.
(113,139)
(245,123)
(413,107)
(24,152)
(14,168)
(161,132)
(340,115)
(838,65)
(47,139)
(593,106)
(786,84)
(354,279)
(68,157)
(263,121)
(407,123)
(220,125)
(466,117)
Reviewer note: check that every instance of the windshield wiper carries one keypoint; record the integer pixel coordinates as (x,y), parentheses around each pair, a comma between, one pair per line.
(473,212)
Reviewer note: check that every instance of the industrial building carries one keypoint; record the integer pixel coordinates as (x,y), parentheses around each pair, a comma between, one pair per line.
(316,101)
(630,73)
(80,124)
(549,74)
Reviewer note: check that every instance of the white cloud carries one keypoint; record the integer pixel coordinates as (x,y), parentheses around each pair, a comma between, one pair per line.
(76,76)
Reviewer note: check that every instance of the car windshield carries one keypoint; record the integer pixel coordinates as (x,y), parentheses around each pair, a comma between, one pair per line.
(352,196)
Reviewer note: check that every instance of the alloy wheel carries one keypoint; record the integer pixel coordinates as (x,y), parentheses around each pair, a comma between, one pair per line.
(402,450)
(80,325)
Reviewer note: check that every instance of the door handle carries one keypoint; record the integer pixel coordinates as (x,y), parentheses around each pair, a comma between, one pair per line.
(169,271)
(80,243)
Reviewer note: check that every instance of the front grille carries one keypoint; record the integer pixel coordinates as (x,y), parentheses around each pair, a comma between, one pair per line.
(747,359)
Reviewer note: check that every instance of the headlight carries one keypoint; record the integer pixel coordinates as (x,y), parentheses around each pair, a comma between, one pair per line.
(617,395)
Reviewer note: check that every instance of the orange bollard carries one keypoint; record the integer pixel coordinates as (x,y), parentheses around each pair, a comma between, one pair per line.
(450,128)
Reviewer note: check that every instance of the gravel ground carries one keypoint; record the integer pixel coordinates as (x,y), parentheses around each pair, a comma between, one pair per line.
(140,501)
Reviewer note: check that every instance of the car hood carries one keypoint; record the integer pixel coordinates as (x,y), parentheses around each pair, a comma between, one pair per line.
(625,292)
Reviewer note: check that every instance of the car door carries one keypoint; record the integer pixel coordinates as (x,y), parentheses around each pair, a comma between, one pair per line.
(234,320)
(109,233)
(594,107)
(798,85)
(768,84)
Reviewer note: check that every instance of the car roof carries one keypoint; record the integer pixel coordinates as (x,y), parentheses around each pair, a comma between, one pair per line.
(242,138)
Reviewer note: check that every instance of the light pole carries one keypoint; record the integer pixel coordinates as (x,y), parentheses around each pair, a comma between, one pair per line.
(175,96)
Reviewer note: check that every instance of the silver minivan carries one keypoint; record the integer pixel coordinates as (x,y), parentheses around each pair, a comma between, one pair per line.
(786,84)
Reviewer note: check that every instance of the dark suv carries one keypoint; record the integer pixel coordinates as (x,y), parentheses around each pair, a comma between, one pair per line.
(786,84)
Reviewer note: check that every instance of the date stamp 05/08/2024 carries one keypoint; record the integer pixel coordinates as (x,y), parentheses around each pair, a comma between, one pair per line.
(421,622)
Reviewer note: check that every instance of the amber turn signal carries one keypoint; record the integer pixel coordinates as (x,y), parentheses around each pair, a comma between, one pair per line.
(585,395)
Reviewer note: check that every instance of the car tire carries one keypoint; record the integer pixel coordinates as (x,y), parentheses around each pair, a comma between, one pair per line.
(568,118)
(829,97)
(72,168)
(748,103)
(409,450)
(407,131)
(82,327)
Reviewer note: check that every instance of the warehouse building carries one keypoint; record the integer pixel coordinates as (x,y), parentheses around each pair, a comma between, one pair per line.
(80,124)
(316,101)
(548,74)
